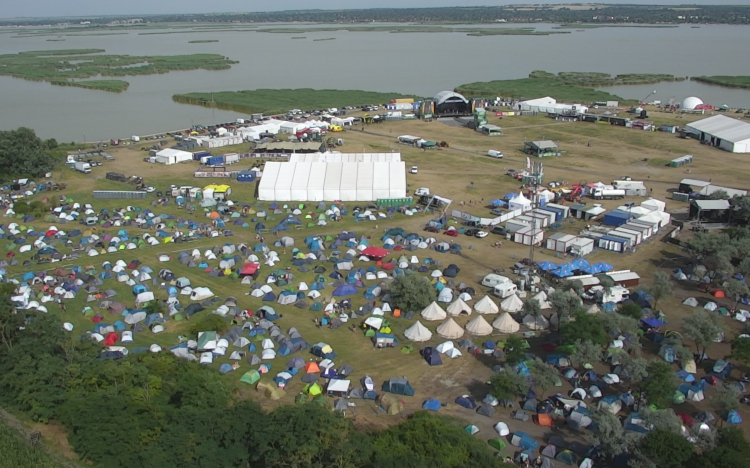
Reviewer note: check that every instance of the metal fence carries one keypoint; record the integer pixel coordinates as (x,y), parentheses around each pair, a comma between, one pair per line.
(121,194)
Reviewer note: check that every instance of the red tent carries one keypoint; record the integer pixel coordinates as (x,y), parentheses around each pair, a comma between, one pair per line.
(111,339)
(375,252)
(388,266)
(50,233)
(249,269)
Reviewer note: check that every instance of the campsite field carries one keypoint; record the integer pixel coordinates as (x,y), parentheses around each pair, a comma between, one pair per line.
(463,173)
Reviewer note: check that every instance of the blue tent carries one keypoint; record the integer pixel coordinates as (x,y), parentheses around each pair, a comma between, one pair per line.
(489,344)
(269,297)
(268,313)
(523,440)
(579,263)
(546,266)
(466,401)
(652,322)
(345,290)
(225,368)
(685,376)
(566,269)
(734,417)
(603,267)
(251,347)
(545,407)
(432,357)
(497,202)
(432,404)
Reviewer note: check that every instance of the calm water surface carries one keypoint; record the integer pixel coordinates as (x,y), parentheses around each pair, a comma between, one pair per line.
(420,63)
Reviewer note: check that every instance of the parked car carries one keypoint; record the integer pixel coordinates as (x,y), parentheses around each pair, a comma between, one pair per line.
(414,170)
(499,230)
(481,234)
(452,233)
(471,232)
(431,229)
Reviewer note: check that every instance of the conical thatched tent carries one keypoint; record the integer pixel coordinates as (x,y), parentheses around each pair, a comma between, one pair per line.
(458,307)
(418,332)
(478,326)
(433,312)
(486,305)
(506,324)
(450,329)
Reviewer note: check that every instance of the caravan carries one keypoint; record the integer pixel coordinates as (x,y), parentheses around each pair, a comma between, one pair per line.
(493,280)
(504,290)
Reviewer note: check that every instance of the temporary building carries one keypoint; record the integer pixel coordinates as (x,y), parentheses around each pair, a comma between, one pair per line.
(519,203)
(560,242)
(478,326)
(528,235)
(433,312)
(171,156)
(724,132)
(505,323)
(418,332)
(450,330)
(486,305)
(512,304)
(458,307)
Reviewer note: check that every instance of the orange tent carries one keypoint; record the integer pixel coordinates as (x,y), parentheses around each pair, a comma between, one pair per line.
(397,313)
(718,293)
(213,215)
(312,368)
(543,420)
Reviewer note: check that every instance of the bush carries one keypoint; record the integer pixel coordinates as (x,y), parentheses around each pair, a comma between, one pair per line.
(210,322)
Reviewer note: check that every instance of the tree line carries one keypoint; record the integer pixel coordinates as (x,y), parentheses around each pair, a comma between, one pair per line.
(640,14)
(155,410)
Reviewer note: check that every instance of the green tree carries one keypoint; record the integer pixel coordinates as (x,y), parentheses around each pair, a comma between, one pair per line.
(543,375)
(635,367)
(609,435)
(732,449)
(606,283)
(631,309)
(725,399)
(667,449)
(425,441)
(210,322)
(617,324)
(587,327)
(661,288)
(575,285)
(661,384)
(155,307)
(719,195)
(411,292)
(702,328)
(11,322)
(514,350)
(664,419)
(741,350)
(508,384)
(23,154)
(565,304)
(586,352)
(735,290)
(532,307)
(744,266)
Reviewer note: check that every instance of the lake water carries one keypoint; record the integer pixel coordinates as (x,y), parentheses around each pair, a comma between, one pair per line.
(419,63)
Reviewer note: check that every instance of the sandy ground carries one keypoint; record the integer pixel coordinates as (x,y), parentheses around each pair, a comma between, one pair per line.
(463,173)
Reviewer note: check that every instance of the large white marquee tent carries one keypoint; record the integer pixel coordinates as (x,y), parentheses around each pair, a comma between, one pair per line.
(332,181)
(345,157)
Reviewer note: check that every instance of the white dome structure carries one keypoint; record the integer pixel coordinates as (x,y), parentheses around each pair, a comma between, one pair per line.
(690,103)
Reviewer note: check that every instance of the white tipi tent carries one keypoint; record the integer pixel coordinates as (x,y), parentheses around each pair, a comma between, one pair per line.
(512,304)
(433,312)
(541,298)
(478,326)
(538,323)
(418,332)
(449,329)
(486,305)
(458,307)
(506,324)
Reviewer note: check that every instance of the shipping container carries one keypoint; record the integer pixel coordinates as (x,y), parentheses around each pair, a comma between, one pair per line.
(214,160)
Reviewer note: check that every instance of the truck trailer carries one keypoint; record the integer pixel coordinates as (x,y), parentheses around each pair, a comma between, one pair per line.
(607,194)
(82,166)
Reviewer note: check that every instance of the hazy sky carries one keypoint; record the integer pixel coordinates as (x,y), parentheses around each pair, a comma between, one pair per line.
(52,8)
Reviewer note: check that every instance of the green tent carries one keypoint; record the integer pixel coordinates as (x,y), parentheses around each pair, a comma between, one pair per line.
(370,333)
(312,389)
(497,443)
(471,429)
(321,400)
(678,398)
(316,307)
(178,317)
(205,337)
(407,349)
(250,377)
(567,457)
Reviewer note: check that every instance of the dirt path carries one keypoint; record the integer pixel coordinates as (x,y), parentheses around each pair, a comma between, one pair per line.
(25,433)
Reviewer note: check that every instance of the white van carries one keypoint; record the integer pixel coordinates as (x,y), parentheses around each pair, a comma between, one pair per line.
(495,154)
(504,290)
(493,280)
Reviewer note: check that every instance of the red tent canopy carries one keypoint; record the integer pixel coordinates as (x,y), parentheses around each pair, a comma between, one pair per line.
(375,252)
(249,269)
(111,339)
(50,233)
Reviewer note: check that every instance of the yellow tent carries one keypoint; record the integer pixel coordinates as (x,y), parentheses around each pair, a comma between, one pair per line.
(391,404)
(312,389)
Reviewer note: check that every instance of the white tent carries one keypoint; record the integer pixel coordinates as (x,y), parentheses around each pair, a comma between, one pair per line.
(486,305)
(519,203)
(445,346)
(445,295)
(512,303)
(418,332)
(433,312)
(200,294)
(506,324)
(478,326)
(536,323)
(449,329)
(541,298)
(691,301)
(458,307)
(453,353)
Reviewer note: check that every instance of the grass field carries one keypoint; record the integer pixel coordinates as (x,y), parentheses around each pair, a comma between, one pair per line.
(113,86)
(728,81)
(276,101)
(462,172)
(63,65)
(564,86)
